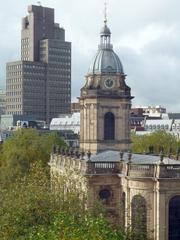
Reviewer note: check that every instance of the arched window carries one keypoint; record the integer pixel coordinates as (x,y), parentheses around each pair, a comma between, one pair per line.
(174,218)
(139,216)
(109,126)
(122,209)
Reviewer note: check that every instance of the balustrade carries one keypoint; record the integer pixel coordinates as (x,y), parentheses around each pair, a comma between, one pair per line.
(141,170)
(103,167)
(169,171)
(128,169)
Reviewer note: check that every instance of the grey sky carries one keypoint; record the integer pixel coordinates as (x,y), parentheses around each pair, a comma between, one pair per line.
(145,35)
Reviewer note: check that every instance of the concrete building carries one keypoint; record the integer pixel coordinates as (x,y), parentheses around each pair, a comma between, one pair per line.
(2,102)
(149,111)
(75,107)
(8,122)
(70,122)
(39,84)
(158,124)
(168,123)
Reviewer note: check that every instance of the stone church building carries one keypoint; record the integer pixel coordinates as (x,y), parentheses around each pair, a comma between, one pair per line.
(141,191)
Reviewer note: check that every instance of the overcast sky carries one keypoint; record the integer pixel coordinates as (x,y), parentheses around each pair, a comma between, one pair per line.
(145,35)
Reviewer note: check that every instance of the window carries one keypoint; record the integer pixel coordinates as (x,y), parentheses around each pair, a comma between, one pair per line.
(174,218)
(105,195)
(139,215)
(122,209)
(109,126)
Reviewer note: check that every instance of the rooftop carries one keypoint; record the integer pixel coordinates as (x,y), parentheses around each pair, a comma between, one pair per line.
(114,156)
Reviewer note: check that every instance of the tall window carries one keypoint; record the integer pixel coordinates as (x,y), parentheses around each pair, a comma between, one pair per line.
(174,218)
(109,126)
(122,208)
(139,216)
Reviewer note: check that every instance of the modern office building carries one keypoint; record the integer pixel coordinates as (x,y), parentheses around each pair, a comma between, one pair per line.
(2,101)
(39,85)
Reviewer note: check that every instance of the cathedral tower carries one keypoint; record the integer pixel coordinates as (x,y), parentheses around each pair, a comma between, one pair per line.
(105,101)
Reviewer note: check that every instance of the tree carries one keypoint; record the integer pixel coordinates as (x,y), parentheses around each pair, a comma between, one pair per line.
(155,142)
(25,203)
(25,147)
(30,210)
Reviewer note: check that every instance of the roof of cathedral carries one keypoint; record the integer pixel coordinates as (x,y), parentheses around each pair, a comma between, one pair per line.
(106,60)
(114,156)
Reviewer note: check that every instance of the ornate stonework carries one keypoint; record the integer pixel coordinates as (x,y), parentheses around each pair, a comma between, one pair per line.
(105,91)
(137,191)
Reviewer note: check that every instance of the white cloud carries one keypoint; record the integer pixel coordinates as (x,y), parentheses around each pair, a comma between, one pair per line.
(145,34)
(138,40)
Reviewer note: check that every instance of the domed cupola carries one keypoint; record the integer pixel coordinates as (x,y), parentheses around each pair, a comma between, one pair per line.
(105,30)
(106,60)
(105,101)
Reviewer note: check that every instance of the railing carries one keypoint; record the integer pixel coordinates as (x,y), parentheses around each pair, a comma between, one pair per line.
(61,162)
(141,170)
(103,167)
(155,170)
(171,171)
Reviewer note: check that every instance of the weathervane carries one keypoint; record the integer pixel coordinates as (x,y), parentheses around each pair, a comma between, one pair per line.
(105,12)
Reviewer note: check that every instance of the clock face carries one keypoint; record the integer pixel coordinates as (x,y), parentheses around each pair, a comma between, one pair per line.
(109,83)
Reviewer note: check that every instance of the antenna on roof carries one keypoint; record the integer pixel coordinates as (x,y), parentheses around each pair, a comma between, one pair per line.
(39,3)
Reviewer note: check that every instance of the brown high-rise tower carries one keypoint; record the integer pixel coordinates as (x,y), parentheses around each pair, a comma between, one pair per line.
(40,84)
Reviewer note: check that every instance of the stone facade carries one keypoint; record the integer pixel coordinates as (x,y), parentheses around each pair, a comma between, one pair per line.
(118,183)
(140,192)
(94,105)
(105,102)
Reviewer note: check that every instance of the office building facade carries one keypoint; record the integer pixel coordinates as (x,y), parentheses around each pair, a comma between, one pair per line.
(39,85)
(2,101)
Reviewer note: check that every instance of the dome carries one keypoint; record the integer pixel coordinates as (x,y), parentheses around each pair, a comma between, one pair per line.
(105,30)
(106,61)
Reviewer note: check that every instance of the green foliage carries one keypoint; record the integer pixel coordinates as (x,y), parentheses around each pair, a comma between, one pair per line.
(25,203)
(69,227)
(157,139)
(30,210)
(25,147)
